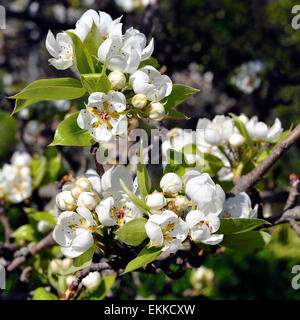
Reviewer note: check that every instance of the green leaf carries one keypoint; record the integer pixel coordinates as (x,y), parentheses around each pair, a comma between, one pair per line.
(247,241)
(147,255)
(48,90)
(81,262)
(242,129)
(39,168)
(212,164)
(93,40)
(138,202)
(179,94)
(176,163)
(40,215)
(101,291)
(239,225)
(83,59)
(43,294)
(54,166)
(69,134)
(25,232)
(133,232)
(149,62)
(142,175)
(96,82)
(8,132)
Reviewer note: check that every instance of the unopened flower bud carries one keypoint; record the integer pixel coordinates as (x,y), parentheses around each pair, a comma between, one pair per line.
(139,101)
(43,226)
(76,191)
(66,263)
(155,201)
(171,183)
(55,265)
(65,201)
(69,280)
(91,280)
(181,203)
(87,199)
(157,111)
(244,118)
(117,80)
(236,140)
(84,184)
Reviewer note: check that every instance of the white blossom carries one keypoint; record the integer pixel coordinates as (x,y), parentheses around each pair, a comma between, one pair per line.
(156,111)
(201,189)
(21,159)
(236,140)
(239,206)
(43,226)
(258,130)
(202,226)
(166,230)
(117,80)
(73,232)
(104,115)
(61,49)
(124,53)
(88,200)
(139,101)
(217,131)
(151,83)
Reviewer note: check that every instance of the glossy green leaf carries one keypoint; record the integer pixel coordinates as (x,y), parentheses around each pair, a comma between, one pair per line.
(93,40)
(239,225)
(242,129)
(25,232)
(39,169)
(48,90)
(142,175)
(82,57)
(149,62)
(69,134)
(212,164)
(96,82)
(133,232)
(179,94)
(147,255)
(137,201)
(40,215)
(247,241)
(81,262)
(43,294)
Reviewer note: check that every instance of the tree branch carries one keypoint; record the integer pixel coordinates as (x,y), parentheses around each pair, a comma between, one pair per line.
(24,253)
(244,183)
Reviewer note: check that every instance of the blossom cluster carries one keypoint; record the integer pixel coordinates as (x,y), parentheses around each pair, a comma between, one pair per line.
(222,138)
(16,179)
(184,208)
(135,90)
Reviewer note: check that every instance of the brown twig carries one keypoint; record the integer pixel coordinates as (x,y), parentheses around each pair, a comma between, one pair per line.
(23,255)
(5,222)
(244,183)
(80,275)
(99,166)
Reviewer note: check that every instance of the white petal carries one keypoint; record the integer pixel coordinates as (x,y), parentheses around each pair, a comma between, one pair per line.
(84,119)
(154,233)
(52,45)
(147,52)
(214,239)
(83,240)
(71,252)
(86,213)
(61,64)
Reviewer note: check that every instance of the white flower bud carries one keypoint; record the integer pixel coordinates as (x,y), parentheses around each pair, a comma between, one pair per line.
(117,80)
(91,280)
(43,226)
(65,201)
(171,183)
(139,101)
(181,203)
(84,184)
(155,201)
(236,140)
(21,159)
(25,172)
(69,280)
(66,263)
(243,118)
(76,191)
(55,265)
(87,199)
(157,111)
